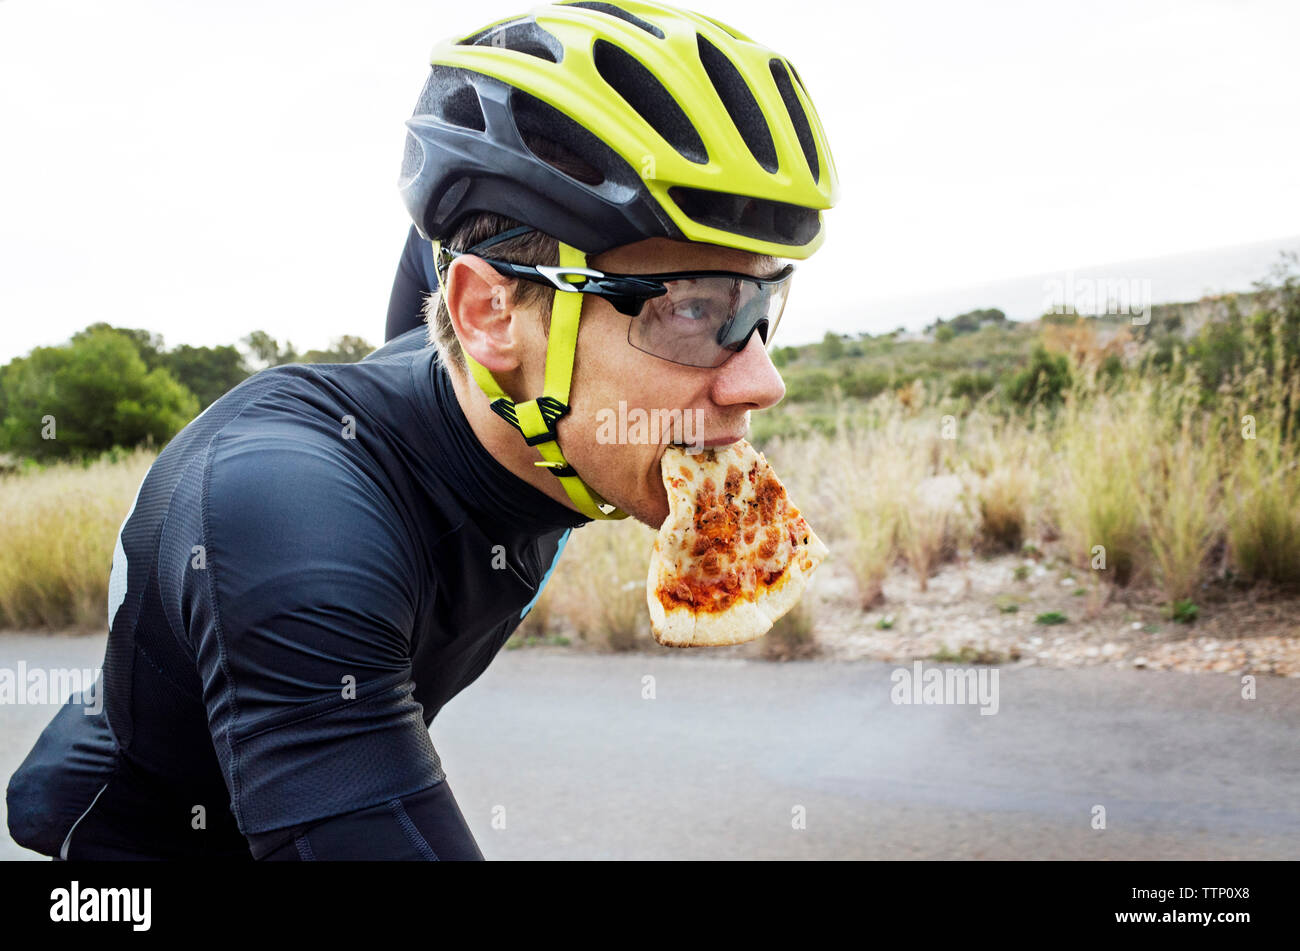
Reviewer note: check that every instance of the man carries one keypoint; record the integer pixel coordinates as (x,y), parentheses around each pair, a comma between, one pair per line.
(315,565)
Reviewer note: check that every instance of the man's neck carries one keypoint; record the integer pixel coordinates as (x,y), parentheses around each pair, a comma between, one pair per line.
(501,440)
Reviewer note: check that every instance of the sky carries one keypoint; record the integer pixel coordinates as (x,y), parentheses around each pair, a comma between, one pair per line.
(205,169)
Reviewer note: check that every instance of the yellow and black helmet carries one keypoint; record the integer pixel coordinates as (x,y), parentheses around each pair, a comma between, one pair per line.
(603,124)
(692,130)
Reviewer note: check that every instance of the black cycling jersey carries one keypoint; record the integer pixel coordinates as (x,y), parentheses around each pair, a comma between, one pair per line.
(310,570)
(414,281)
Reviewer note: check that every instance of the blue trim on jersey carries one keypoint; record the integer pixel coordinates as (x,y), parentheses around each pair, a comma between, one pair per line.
(559,547)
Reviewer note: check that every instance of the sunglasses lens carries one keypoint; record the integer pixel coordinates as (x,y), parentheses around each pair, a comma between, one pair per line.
(700,322)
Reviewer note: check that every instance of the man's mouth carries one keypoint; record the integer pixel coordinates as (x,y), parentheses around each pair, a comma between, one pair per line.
(717,441)
(696,446)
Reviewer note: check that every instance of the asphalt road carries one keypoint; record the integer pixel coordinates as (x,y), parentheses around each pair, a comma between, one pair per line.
(558,755)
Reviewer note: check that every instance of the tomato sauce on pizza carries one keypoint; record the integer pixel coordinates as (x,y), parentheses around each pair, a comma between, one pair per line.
(734,553)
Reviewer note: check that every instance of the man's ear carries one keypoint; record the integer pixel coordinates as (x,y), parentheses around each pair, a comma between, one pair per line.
(480,305)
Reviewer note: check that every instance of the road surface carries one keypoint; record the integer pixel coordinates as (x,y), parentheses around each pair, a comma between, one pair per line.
(553,754)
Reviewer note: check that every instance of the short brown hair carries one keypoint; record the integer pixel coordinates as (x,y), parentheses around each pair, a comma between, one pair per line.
(534,247)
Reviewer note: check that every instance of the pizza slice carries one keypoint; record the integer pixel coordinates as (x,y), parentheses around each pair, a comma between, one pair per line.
(734,553)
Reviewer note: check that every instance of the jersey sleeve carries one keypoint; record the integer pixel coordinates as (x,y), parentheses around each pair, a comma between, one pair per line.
(426,826)
(298,602)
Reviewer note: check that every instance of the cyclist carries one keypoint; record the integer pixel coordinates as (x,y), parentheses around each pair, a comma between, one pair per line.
(324,557)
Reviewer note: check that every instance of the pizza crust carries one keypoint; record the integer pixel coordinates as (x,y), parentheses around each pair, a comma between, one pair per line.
(674,628)
(776,600)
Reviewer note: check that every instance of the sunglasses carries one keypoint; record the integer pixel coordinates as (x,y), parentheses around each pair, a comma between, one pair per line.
(692,318)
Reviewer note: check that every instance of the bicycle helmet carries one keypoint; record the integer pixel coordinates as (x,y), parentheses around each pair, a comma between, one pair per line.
(691,130)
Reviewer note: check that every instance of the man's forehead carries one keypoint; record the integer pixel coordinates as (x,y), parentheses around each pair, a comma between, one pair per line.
(665,254)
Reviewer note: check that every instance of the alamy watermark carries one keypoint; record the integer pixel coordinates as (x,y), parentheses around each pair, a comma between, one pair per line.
(649,427)
(52,685)
(1099,297)
(76,904)
(946,685)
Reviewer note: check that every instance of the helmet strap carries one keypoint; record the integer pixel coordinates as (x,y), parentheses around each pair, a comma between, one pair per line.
(537,418)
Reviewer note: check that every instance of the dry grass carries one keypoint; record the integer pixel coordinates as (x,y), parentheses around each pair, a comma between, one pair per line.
(1003,472)
(600,583)
(1264,514)
(58,527)
(879,490)
(1181,505)
(1144,471)
(847,498)
(1263,479)
(1104,462)
(1165,485)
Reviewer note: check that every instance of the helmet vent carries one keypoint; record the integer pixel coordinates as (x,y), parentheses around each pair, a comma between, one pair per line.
(462,108)
(760,218)
(522,36)
(449,96)
(740,102)
(797,116)
(795,73)
(644,93)
(616,11)
(562,143)
(563,160)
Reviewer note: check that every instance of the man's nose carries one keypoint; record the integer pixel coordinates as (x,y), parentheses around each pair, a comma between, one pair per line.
(749,378)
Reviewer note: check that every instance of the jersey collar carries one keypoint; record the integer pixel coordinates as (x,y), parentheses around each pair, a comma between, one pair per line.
(483,485)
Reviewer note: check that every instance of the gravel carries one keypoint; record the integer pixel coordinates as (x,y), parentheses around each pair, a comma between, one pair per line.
(1243,633)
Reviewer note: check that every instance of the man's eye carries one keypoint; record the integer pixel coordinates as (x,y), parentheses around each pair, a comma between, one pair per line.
(698,309)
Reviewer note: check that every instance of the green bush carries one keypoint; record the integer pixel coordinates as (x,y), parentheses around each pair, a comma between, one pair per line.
(1045,380)
(863,385)
(208,372)
(99,393)
(1218,351)
(971,385)
(832,346)
(809,386)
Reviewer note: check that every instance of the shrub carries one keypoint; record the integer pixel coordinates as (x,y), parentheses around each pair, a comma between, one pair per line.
(1264,513)
(99,392)
(971,385)
(809,386)
(1103,466)
(1002,459)
(863,385)
(922,531)
(1180,503)
(832,346)
(1045,380)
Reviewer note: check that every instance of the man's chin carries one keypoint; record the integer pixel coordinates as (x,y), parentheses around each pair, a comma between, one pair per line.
(652,519)
(650,510)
